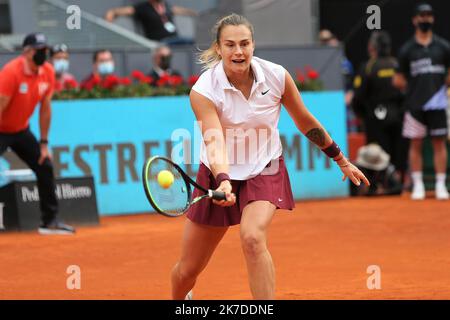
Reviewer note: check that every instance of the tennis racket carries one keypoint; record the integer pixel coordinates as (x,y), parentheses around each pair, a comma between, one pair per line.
(176,199)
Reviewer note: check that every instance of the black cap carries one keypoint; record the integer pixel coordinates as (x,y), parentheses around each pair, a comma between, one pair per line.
(58,48)
(35,40)
(422,8)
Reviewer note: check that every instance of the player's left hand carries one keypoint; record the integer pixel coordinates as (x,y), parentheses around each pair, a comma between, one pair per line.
(45,154)
(353,173)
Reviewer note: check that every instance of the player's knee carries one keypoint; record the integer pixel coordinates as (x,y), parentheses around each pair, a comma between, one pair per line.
(187,272)
(253,244)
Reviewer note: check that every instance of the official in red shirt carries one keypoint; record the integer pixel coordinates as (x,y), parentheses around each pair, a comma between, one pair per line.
(24,82)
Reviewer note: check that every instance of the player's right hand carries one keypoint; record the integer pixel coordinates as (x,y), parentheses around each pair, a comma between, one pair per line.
(225,186)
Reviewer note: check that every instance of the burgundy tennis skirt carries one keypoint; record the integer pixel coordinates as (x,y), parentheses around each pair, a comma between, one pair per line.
(274,188)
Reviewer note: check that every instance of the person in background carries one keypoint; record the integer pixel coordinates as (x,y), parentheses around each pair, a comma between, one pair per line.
(424,73)
(375,164)
(327,38)
(162,58)
(156,18)
(59,58)
(26,81)
(379,104)
(102,67)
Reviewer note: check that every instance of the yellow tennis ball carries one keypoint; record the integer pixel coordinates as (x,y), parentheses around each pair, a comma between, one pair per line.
(165,178)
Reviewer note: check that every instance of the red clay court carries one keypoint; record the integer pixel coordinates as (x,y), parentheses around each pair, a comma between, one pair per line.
(321,251)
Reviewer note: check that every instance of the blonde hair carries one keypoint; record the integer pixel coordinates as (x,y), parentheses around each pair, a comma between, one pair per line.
(209,57)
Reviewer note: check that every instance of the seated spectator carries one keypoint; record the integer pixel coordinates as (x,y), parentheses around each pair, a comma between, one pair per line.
(162,58)
(59,58)
(326,38)
(156,18)
(374,162)
(102,67)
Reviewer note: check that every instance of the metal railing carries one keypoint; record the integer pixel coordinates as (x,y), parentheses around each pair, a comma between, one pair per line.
(94,32)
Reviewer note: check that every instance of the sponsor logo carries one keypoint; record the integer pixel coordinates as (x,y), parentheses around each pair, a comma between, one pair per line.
(23,88)
(64,191)
(425,66)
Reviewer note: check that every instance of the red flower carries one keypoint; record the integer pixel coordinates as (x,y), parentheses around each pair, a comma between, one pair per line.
(311,73)
(175,80)
(146,79)
(125,81)
(70,84)
(299,75)
(169,80)
(137,74)
(193,79)
(110,81)
(96,79)
(92,82)
(162,81)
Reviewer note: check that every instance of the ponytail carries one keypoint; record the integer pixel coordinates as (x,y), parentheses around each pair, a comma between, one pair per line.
(209,57)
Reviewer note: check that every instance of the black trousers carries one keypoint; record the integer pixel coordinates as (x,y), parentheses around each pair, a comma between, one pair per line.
(389,137)
(25,145)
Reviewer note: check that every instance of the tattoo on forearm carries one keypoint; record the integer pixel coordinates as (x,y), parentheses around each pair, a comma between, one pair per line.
(317,136)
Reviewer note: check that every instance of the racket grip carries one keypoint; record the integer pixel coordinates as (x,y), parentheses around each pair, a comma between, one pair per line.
(218,195)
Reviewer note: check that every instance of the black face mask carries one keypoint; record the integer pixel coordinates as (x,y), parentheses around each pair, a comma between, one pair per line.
(165,62)
(40,56)
(425,26)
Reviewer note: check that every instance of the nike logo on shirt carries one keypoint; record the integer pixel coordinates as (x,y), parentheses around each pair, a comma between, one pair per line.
(263,93)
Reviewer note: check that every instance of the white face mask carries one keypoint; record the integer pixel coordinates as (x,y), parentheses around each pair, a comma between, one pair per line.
(105,68)
(61,65)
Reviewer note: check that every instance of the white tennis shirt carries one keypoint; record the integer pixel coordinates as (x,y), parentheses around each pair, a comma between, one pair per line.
(250,126)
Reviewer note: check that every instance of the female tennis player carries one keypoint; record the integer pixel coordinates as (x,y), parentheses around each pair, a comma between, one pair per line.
(240,93)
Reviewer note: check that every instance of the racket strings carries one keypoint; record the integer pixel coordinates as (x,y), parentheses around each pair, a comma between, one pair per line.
(172,200)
